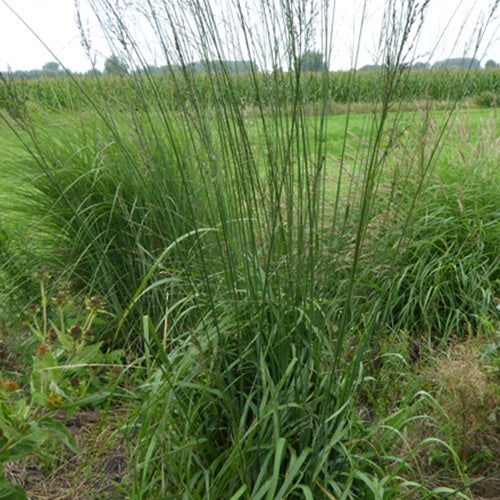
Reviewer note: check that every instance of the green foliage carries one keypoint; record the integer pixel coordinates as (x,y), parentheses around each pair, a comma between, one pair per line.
(10,491)
(17,264)
(219,66)
(487,99)
(260,263)
(24,432)
(52,70)
(220,412)
(458,62)
(238,324)
(12,97)
(392,385)
(248,87)
(69,364)
(115,66)
(67,371)
(94,216)
(312,61)
(51,66)
(449,272)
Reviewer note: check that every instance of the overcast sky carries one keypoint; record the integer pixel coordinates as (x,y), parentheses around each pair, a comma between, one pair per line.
(54,21)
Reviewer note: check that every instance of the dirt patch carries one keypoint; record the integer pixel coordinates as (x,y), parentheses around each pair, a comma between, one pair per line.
(97,472)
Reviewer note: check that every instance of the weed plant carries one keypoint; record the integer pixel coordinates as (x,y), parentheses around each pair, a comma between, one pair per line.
(252,276)
(65,370)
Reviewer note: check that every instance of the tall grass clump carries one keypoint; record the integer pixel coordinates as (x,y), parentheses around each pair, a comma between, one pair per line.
(233,248)
(449,269)
(97,225)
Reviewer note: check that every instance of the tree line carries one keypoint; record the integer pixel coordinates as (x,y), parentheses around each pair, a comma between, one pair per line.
(312,61)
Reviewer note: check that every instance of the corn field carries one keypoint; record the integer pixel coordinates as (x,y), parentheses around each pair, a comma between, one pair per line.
(247,89)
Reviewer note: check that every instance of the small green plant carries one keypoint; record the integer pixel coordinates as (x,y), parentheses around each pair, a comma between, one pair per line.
(68,364)
(24,428)
(487,99)
(68,370)
(389,383)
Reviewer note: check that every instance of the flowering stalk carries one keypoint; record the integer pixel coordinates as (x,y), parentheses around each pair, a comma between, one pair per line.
(42,275)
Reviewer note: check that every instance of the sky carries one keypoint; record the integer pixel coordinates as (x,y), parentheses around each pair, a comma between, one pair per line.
(53,22)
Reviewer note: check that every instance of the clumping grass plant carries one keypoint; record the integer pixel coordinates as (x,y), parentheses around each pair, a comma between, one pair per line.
(249,264)
(447,275)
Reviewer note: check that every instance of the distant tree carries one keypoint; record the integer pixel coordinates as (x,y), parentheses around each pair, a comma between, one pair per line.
(218,66)
(28,75)
(115,66)
(420,65)
(152,70)
(457,62)
(92,72)
(371,67)
(51,67)
(491,64)
(312,60)
(402,66)
(241,66)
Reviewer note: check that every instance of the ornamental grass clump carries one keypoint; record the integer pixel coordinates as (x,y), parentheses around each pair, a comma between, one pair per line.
(449,268)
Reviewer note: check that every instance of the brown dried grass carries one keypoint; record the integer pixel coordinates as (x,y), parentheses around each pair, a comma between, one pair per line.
(464,383)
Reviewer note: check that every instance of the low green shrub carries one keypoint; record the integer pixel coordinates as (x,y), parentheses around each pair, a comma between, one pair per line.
(487,99)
